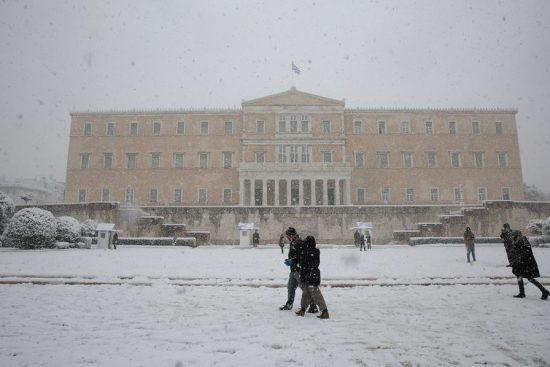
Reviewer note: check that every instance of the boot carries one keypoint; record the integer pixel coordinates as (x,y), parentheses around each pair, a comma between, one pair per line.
(312,308)
(521,293)
(545,292)
(286,307)
(301,312)
(323,315)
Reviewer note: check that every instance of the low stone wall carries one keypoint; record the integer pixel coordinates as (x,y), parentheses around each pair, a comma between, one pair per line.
(329,224)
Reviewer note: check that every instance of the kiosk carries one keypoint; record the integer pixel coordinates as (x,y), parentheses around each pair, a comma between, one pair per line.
(105,232)
(364,227)
(245,230)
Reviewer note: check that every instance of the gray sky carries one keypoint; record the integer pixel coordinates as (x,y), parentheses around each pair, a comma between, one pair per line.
(61,56)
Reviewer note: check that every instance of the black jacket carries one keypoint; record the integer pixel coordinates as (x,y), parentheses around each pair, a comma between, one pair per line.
(256,238)
(506,235)
(524,263)
(309,264)
(295,249)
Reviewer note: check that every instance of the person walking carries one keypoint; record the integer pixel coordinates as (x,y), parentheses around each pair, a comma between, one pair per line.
(356,237)
(469,242)
(255,238)
(293,261)
(368,239)
(524,264)
(115,240)
(506,235)
(310,276)
(362,243)
(282,243)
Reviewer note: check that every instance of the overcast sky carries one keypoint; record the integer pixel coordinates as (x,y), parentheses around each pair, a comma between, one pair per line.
(63,56)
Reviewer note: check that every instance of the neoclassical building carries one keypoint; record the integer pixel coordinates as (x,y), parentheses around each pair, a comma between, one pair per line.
(294,148)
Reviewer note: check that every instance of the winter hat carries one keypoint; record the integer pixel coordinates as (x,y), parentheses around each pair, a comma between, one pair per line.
(506,225)
(290,231)
(309,242)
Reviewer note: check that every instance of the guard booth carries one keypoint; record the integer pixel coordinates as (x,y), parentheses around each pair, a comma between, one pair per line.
(363,228)
(245,230)
(105,232)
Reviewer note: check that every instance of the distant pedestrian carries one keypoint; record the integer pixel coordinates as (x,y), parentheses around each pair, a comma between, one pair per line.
(368,239)
(310,276)
(356,238)
(362,244)
(506,235)
(524,264)
(469,242)
(255,239)
(282,243)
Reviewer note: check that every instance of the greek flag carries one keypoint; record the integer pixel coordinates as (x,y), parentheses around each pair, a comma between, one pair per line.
(295,68)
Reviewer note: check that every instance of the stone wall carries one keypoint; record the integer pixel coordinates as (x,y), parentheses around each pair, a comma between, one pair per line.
(329,224)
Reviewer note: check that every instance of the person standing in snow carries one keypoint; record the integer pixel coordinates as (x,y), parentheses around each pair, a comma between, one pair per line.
(356,238)
(362,243)
(293,260)
(255,239)
(506,235)
(524,264)
(115,240)
(282,243)
(368,239)
(310,277)
(469,242)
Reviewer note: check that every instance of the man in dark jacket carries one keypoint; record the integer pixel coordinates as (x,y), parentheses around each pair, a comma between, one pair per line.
(293,260)
(255,238)
(310,277)
(506,235)
(524,264)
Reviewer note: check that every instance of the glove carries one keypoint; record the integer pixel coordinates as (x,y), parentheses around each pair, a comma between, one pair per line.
(288,262)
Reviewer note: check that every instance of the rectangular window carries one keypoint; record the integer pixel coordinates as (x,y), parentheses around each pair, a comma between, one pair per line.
(429,127)
(385,194)
(361,197)
(260,157)
(505,193)
(155,160)
(153,195)
(105,195)
(110,129)
(405,127)
(227,159)
(129,196)
(357,127)
(498,128)
(327,157)
(359,159)
(180,128)
(432,160)
(293,124)
(204,127)
(293,154)
(455,159)
(203,160)
(81,195)
(482,194)
(408,158)
(132,160)
(410,195)
(227,196)
(282,124)
(260,126)
(434,194)
(156,128)
(383,159)
(107,160)
(178,195)
(458,194)
(476,130)
(502,158)
(133,129)
(381,127)
(228,127)
(281,154)
(85,160)
(305,153)
(325,126)
(202,196)
(479,159)
(178,160)
(452,127)
(88,129)
(305,124)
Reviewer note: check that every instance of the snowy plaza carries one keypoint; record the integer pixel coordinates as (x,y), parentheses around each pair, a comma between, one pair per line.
(219,305)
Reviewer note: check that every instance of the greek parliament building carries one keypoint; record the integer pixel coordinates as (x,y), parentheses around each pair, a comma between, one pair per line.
(294,148)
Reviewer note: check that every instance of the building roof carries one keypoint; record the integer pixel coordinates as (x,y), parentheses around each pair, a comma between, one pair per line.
(293,97)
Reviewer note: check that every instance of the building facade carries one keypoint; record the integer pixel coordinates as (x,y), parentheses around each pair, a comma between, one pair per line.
(294,149)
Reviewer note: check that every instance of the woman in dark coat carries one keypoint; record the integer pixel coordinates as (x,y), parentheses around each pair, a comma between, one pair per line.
(524,264)
(310,277)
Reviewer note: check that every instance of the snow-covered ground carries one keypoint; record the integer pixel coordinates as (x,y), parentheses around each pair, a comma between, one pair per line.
(390,306)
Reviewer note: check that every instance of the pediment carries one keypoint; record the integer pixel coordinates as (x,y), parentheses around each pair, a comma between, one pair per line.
(293,97)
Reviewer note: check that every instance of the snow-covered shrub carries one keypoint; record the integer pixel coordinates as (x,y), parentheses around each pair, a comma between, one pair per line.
(534,226)
(7,209)
(68,229)
(31,228)
(88,228)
